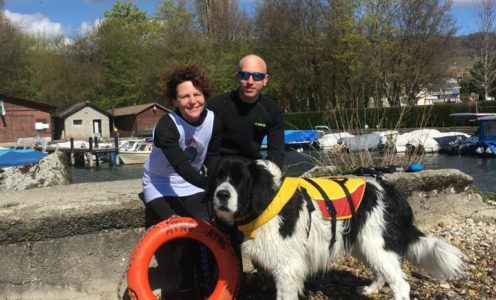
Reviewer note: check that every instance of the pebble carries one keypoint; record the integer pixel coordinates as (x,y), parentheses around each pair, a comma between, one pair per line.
(445,285)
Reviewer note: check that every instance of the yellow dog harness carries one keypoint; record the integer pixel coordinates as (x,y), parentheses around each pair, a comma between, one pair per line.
(337,197)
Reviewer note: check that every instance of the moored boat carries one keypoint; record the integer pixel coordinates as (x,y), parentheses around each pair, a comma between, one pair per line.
(333,141)
(137,154)
(425,140)
(298,140)
(19,157)
(482,142)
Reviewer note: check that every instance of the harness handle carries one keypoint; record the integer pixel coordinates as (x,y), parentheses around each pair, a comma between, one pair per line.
(330,208)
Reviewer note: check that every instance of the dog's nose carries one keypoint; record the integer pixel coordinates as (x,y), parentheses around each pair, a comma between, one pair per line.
(223,195)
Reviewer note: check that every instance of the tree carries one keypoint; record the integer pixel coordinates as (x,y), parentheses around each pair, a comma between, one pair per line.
(222,21)
(179,39)
(289,37)
(126,11)
(182,38)
(121,40)
(469,86)
(227,35)
(346,58)
(62,77)
(14,64)
(410,41)
(484,69)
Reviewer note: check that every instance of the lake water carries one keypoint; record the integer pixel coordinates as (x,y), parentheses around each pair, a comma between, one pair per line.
(483,170)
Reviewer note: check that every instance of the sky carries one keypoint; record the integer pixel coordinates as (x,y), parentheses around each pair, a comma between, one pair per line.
(75,17)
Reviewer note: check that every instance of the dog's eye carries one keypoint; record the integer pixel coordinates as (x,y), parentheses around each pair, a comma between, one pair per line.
(237,181)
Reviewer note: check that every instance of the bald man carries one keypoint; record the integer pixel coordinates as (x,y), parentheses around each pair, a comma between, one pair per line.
(247,115)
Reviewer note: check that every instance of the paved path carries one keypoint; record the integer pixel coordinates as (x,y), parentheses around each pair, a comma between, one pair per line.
(73,193)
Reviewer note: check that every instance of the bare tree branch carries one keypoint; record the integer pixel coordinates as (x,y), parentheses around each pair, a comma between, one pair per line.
(484,69)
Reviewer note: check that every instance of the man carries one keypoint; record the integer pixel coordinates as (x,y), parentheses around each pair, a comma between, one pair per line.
(247,115)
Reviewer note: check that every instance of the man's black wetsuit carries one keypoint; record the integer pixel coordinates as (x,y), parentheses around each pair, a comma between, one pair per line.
(245,125)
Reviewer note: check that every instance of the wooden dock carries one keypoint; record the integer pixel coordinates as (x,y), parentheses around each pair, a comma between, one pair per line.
(90,156)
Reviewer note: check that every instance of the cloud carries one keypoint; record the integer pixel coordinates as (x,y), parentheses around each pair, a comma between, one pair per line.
(35,23)
(87,26)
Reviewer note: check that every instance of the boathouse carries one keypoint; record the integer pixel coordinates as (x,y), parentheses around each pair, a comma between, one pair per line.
(138,119)
(81,121)
(20,118)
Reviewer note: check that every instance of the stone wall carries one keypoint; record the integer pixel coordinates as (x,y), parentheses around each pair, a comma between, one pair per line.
(68,242)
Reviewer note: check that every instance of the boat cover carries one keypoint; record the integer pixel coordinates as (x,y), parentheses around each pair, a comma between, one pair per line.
(297,136)
(11,157)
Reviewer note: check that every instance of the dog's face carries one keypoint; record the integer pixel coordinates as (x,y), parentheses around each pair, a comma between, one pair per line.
(240,187)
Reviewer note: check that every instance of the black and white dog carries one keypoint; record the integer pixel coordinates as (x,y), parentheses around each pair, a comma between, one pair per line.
(299,242)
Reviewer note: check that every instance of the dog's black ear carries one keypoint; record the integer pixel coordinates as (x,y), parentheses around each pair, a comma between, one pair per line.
(262,186)
(261,176)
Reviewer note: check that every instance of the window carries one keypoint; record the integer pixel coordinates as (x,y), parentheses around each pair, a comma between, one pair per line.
(489,128)
(2,108)
(41,125)
(77,122)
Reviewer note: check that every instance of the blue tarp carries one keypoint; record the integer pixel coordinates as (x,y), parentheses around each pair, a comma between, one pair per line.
(297,136)
(11,158)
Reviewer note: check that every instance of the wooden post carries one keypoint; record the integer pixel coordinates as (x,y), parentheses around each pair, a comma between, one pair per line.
(116,145)
(97,162)
(71,153)
(90,158)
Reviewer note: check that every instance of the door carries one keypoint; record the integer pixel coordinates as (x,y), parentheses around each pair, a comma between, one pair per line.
(97,128)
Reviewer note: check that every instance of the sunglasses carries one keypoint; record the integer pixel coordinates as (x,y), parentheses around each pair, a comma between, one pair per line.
(257,76)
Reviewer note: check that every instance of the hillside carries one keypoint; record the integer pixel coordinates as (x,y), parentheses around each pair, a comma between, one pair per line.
(463,56)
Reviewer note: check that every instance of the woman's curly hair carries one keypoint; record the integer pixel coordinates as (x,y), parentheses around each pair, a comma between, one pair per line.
(197,75)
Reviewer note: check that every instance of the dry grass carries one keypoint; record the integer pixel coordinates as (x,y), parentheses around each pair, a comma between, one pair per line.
(341,162)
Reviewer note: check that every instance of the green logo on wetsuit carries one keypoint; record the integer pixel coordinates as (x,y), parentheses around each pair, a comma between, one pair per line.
(260,124)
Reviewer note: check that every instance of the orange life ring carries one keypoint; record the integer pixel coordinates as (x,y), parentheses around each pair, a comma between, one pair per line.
(182,227)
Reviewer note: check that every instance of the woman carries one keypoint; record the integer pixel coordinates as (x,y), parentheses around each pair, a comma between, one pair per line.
(173,181)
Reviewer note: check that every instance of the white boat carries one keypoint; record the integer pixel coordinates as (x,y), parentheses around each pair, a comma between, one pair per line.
(137,154)
(336,142)
(429,140)
(321,130)
(364,142)
(130,145)
(329,141)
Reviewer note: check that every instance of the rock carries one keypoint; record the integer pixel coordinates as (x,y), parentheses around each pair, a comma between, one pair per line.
(451,295)
(445,285)
(433,181)
(49,171)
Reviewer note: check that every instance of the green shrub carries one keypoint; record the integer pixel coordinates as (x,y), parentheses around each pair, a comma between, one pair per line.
(434,116)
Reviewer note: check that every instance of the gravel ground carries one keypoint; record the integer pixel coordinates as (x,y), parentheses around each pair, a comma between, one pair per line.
(477,240)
